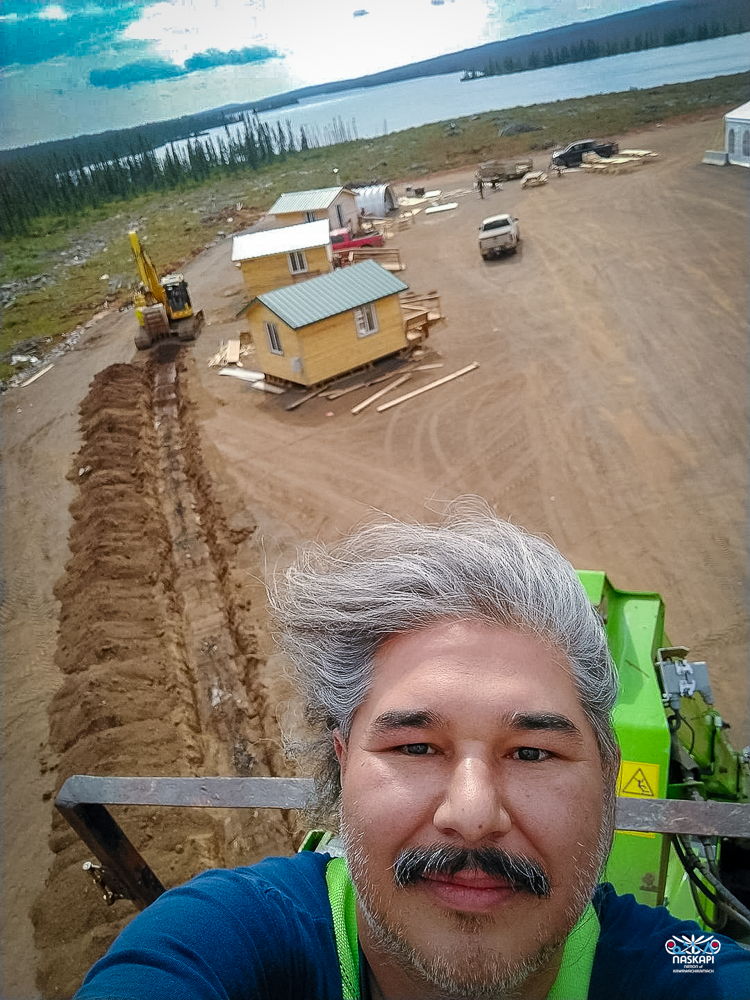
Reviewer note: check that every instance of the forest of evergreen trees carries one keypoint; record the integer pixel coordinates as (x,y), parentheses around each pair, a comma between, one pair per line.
(52,185)
(591,49)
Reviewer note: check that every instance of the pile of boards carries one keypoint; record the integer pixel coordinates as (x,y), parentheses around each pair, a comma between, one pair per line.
(420,311)
(229,353)
(625,161)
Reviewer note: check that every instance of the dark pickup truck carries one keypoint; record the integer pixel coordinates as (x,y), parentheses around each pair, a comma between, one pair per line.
(572,155)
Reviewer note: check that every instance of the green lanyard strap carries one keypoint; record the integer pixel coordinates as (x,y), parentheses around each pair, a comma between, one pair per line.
(344,910)
(572,981)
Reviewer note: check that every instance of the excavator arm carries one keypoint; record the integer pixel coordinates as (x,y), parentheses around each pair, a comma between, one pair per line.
(146,270)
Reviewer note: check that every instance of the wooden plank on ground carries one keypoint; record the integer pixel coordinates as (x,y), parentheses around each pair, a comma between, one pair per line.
(233,352)
(35,377)
(357,385)
(426,388)
(342,392)
(303,399)
(441,208)
(381,392)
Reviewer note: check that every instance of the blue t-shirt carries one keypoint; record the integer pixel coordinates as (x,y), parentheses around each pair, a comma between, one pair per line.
(266,933)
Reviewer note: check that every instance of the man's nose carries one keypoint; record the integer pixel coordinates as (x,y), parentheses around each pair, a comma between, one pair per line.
(473,807)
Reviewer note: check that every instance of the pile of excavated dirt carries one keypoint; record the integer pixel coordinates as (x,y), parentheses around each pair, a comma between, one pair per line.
(147,690)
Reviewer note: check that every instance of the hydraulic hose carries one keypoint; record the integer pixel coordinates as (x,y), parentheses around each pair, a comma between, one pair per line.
(719,895)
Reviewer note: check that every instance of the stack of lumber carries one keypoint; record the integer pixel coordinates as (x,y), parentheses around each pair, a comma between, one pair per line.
(595,164)
(405,220)
(229,353)
(533,179)
(420,312)
(416,302)
(387,257)
(643,155)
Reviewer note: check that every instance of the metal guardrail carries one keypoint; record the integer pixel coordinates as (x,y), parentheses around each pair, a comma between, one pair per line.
(228,793)
(124,874)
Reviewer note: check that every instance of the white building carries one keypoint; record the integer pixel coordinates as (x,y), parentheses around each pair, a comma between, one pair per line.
(376,199)
(737,135)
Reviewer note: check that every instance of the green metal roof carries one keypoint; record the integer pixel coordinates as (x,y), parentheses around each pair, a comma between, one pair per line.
(304,201)
(331,294)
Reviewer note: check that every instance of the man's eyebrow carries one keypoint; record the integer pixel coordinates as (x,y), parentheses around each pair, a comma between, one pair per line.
(396,719)
(543,721)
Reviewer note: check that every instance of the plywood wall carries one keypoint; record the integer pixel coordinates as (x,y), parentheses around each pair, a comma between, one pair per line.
(263,274)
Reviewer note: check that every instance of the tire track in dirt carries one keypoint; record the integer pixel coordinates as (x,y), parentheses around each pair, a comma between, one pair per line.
(454,450)
(157,653)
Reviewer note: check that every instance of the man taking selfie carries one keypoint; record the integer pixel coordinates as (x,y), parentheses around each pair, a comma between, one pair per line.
(459,690)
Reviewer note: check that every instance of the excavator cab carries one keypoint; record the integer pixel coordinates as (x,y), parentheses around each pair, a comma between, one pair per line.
(178,297)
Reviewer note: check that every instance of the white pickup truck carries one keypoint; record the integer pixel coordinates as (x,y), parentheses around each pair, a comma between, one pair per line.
(499,234)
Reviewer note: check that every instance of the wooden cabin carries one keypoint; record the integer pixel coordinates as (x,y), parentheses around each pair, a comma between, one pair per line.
(276,257)
(336,204)
(312,332)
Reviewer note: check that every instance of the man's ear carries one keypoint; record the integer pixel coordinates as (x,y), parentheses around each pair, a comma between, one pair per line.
(339,745)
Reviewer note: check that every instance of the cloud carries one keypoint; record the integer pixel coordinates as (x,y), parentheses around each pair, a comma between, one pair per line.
(34,33)
(53,13)
(144,71)
(148,70)
(234,57)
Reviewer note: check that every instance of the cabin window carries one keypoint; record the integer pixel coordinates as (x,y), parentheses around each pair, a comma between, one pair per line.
(730,141)
(309,216)
(297,261)
(366,319)
(274,340)
(746,143)
(340,214)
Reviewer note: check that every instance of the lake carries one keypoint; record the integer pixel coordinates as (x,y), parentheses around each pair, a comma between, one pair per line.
(396,106)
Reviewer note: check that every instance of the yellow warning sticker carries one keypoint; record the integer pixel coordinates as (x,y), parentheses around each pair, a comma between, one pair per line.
(638,780)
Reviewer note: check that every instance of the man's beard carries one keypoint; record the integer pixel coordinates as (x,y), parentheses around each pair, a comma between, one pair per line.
(470,969)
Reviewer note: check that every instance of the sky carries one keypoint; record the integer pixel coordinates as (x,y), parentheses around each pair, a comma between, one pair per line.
(79,66)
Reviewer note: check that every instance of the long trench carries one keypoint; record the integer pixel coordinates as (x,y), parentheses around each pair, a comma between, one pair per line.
(157,653)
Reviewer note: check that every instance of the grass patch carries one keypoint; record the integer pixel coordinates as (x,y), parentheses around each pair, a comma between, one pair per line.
(66,270)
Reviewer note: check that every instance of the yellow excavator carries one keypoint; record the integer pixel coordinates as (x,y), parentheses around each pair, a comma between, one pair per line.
(162,307)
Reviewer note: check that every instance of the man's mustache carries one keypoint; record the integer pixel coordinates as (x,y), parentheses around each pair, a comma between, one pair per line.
(522,874)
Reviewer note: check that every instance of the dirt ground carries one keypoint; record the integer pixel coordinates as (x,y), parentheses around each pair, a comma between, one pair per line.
(146,497)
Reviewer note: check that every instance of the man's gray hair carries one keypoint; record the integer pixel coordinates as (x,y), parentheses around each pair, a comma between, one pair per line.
(336,606)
